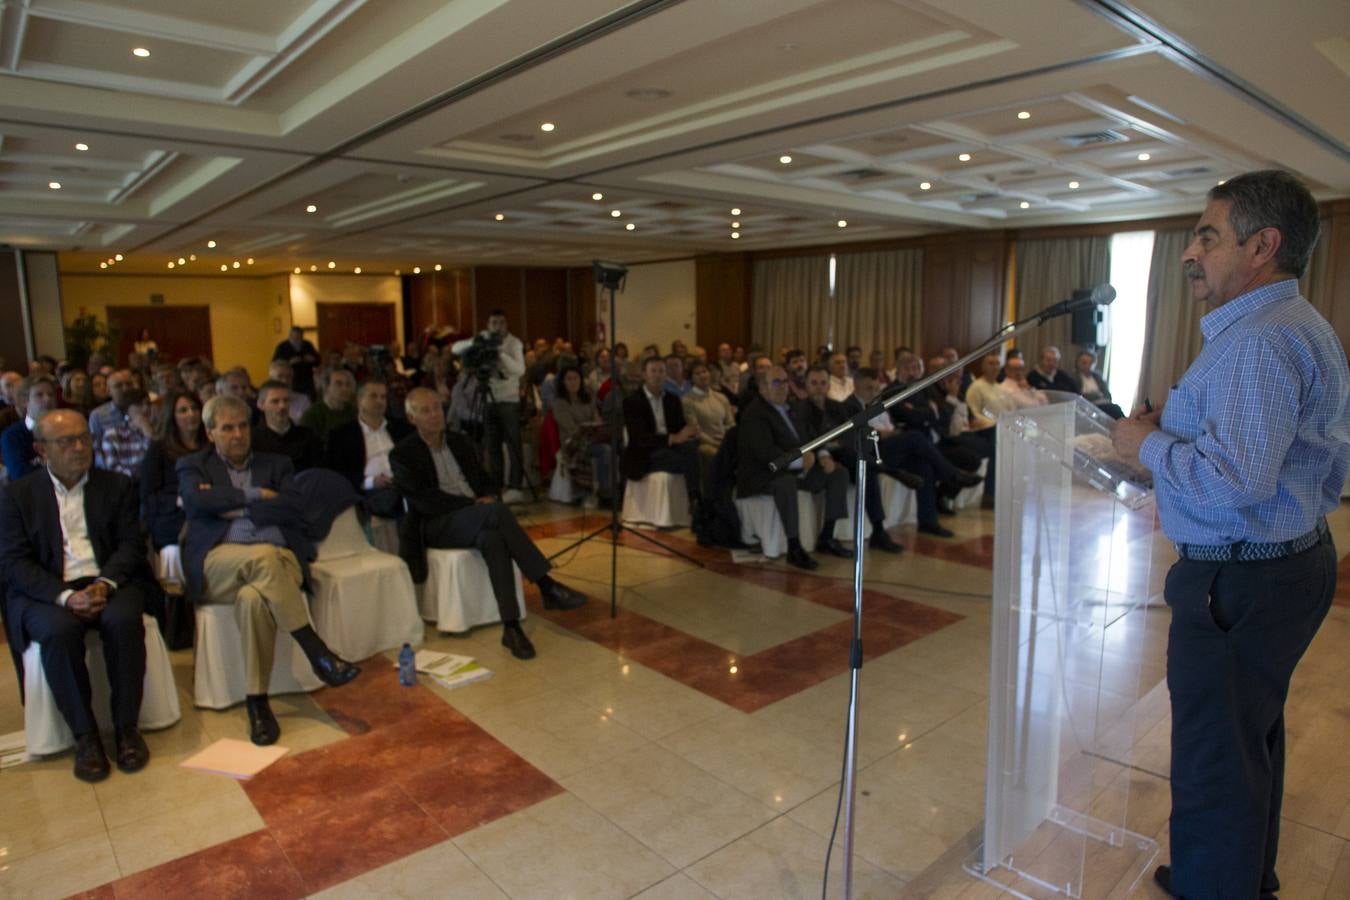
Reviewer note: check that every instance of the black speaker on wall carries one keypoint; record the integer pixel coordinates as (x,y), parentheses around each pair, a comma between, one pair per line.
(1089,323)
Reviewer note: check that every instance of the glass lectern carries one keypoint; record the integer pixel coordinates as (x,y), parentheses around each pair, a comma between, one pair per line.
(1074,533)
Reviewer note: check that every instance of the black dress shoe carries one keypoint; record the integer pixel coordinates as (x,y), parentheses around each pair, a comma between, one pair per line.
(834,548)
(333,670)
(936,531)
(797,556)
(1163,875)
(515,640)
(882,541)
(946,506)
(560,596)
(91,763)
(908,479)
(262,725)
(968,479)
(132,753)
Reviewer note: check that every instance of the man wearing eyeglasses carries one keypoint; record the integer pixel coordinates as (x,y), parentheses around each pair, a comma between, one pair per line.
(74,557)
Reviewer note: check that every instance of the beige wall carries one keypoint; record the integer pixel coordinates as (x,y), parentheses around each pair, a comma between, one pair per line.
(249,316)
(309,290)
(656,306)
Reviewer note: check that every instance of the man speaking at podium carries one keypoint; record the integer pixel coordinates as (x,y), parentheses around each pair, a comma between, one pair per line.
(1248,455)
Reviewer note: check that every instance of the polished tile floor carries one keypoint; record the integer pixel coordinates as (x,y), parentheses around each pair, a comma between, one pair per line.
(691,747)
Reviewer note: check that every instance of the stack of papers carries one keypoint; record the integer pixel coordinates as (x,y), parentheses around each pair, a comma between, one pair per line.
(13,749)
(450,669)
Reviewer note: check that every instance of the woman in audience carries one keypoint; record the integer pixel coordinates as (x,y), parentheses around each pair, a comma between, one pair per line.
(711,409)
(179,434)
(145,344)
(76,391)
(98,387)
(577,417)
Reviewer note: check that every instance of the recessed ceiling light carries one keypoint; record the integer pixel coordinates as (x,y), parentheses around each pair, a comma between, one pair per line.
(735,235)
(210,244)
(103,265)
(140,51)
(297,270)
(1144,157)
(1024,205)
(313,268)
(398,271)
(842,223)
(615,213)
(357,270)
(182,261)
(224,268)
(192,257)
(81,146)
(54,185)
(925,185)
(119,257)
(1024,115)
(735,224)
(417,270)
(500,217)
(235,264)
(332,264)
(964,157)
(171,264)
(249,260)
(311,208)
(735,210)
(547,126)
(597,196)
(785,159)
(1073,185)
(630,226)
(437,267)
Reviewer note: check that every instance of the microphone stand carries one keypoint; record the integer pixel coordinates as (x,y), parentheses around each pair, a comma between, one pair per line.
(859,423)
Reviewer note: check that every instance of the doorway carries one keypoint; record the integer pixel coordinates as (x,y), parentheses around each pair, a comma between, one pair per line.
(359,323)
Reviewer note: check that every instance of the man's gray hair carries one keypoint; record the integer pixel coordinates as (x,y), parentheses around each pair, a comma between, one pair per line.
(223,403)
(1272,198)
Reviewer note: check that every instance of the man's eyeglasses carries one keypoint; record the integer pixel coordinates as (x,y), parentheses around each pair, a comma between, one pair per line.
(65,442)
(777,382)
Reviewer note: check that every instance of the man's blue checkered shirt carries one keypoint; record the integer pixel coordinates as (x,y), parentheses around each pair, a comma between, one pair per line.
(1255,437)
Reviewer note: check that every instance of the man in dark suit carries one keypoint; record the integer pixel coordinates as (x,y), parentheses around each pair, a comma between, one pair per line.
(451,506)
(659,438)
(1048,376)
(768,427)
(303,357)
(359,450)
(37,396)
(245,547)
(1091,383)
(74,559)
(278,432)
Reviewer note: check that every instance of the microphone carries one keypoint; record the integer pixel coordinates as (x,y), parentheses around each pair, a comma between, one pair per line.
(1101,295)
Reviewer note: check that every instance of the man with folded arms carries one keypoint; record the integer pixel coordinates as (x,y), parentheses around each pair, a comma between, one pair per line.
(451,506)
(245,547)
(74,560)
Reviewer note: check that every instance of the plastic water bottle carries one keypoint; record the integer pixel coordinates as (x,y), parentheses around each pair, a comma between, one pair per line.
(407,668)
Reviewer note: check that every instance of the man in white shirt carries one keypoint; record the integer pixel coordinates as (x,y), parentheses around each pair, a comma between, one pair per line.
(84,568)
(359,450)
(1016,387)
(984,398)
(502,415)
(841,382)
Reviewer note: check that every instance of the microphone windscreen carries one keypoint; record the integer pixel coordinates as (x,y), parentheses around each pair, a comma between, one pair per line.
(1103,294)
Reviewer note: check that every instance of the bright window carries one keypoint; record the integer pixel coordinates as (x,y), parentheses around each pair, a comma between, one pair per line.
(1131,256)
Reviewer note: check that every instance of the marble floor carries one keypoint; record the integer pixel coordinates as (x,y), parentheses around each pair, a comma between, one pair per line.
(690,747)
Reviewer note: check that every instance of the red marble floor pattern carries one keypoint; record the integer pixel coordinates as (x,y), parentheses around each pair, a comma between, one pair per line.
(1343,583)
(412,773)
(749,682)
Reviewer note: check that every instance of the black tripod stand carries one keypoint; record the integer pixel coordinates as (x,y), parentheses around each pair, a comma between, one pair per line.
(483,412)
(610,276)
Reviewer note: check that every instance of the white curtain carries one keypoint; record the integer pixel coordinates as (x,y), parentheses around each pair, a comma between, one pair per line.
(1050,270)
(1315,284)
(878,300)
(1172,337)
(790,302)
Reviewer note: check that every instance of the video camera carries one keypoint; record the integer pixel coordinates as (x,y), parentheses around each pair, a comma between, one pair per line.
(480,357)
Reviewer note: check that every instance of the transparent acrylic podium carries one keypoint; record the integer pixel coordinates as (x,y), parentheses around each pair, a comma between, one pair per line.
(1072,579)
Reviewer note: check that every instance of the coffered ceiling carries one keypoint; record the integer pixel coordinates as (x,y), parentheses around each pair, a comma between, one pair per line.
(389,135)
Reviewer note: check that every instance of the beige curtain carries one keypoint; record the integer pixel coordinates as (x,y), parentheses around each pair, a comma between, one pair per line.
(1172,337)
(1315,284)
(1050,270)
(790,303)
(878,300)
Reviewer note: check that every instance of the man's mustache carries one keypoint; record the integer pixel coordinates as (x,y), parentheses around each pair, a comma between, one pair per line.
(1192,270)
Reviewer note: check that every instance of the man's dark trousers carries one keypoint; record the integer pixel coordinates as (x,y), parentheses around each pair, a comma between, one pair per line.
(503,425)
(491,529)
(1238,629)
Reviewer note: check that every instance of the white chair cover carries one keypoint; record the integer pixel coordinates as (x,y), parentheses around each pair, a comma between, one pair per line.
(843,528)
(384,534)
(363,599)
(169,566)
(560,488)
(218,661)
(46,731)
(659,499)
(899,502)
(457,594)
(972,495)
(760,523)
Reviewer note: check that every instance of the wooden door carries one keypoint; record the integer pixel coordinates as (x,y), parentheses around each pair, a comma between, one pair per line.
(180,331)
(360,323)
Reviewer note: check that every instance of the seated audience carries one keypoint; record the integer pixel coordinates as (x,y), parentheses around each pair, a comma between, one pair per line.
(841,382)
(334,406)
(359,450)
(951,355)
(659,437)
(18,447)
(278,433)
(282,371)
(768,428)
(74,560)
(1017,387)
(957,440)
(676,381)
(750,380)
(854,355)
(1092,385)
(9,410)
(578,421)
(726,372)
(76,393)
(450,506)
(985,399)
(180,432)
(123,427)
(1048,376)
(796,364)
(98,387)
(821,414)
(303,357)
(245,547)
(710,411)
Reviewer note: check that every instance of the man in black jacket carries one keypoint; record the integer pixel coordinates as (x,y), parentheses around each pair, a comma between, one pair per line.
(279,433)
(768,427)
(74,560)
(451,506)
(359,450)
(659,437)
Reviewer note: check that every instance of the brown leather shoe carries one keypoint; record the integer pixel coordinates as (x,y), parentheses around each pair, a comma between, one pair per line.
(91,763)
(132,753)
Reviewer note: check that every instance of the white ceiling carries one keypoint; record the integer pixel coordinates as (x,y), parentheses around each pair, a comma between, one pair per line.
(412,126)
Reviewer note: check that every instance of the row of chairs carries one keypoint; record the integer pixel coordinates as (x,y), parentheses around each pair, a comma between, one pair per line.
(364,603)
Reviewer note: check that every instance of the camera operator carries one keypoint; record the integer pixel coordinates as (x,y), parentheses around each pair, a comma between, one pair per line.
(502,410)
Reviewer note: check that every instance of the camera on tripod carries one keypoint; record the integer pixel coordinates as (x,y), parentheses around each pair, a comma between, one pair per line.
(480,357)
